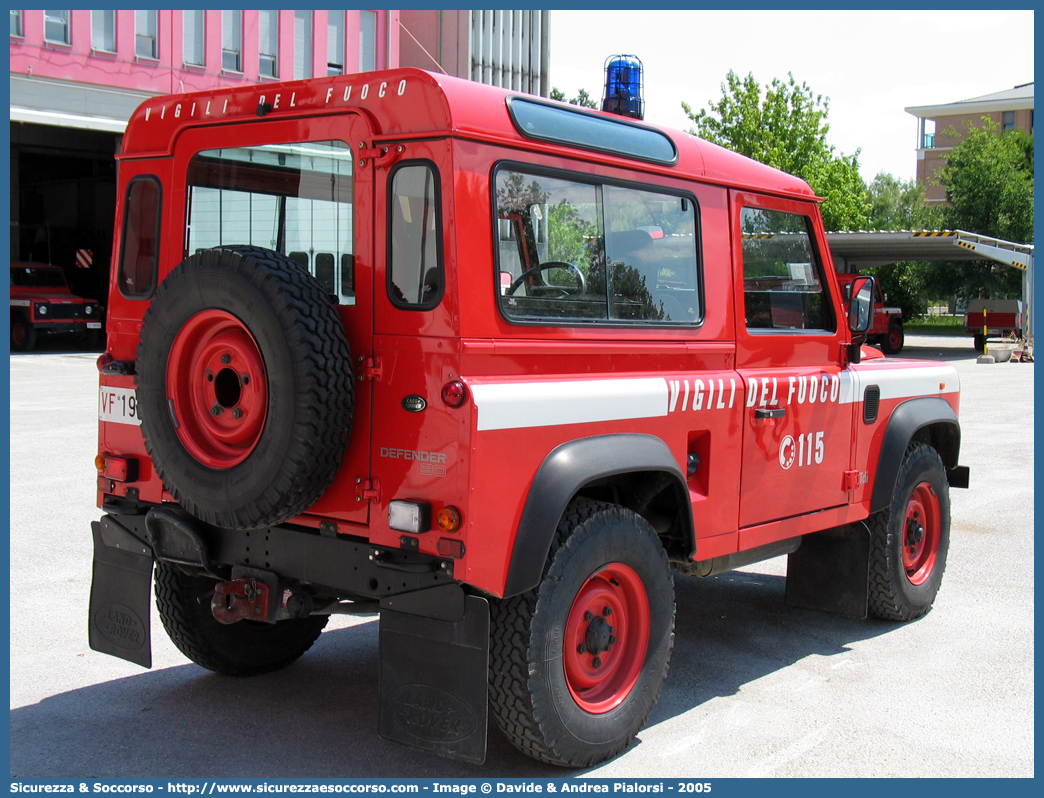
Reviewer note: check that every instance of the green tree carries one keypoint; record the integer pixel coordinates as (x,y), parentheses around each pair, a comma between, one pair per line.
(903,284)
(582,98)
(989,184)
(899,205)
(786,127)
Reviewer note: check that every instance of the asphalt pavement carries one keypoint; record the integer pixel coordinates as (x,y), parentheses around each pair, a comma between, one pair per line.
(755,688)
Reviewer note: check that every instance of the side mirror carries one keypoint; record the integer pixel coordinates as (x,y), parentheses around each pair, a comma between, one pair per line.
(861,306)
(860,314)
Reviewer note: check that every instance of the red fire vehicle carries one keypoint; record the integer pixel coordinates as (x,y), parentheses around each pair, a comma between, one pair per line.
(41,303)
(887,331)
(494,367)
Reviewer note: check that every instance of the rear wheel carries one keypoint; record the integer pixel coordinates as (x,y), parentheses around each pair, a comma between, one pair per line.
(244,648)
(910,540)
(578,662)
(979,342)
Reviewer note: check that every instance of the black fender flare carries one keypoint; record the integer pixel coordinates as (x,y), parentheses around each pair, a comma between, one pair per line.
(564,472)
(903,424)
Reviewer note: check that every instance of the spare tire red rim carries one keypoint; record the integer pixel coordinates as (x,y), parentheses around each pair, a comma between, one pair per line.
(606,638)
(217,389)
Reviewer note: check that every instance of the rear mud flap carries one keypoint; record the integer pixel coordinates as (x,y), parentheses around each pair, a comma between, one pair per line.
(120,594)
(433,677)
(830,571)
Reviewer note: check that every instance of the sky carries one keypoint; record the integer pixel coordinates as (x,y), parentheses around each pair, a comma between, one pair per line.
(870,64)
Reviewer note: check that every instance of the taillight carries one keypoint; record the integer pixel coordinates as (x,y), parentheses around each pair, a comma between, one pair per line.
(448,547)
(448,519)
(118,469)
(454,394)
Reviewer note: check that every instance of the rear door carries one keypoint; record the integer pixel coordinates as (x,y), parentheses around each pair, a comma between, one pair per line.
(294,186)
(796,433)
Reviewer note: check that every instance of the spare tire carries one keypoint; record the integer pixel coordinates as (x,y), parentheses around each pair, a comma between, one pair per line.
(244,387)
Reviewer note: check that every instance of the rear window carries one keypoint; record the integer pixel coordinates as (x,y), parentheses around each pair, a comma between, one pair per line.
(577,251)
(415,279)
(293,198)
(139,254)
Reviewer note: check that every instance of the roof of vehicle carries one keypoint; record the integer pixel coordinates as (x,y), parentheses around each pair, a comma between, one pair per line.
(411,103)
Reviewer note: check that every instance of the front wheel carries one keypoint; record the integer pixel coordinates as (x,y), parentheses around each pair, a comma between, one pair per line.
(23,334)
(892,343)
(979,342)
(910,539)
(577,663)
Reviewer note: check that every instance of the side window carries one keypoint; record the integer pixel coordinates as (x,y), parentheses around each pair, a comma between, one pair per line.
(574,252)
(292,198)
(139,251)
(415,274)
(782,275)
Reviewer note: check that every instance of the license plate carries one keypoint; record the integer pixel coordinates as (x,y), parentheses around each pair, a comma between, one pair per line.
(118,405)
(94,325)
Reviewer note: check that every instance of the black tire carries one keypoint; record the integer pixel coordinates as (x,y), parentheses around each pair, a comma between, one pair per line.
(23,334)
(892,343)
(88,340)
(256,424)
(906,566)
(979,342)
(244,648)
(544,711)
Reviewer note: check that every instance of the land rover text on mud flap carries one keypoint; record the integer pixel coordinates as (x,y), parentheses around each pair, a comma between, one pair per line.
(495,368)
(42,304)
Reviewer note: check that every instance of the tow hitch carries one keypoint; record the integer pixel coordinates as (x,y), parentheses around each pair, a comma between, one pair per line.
(241,599)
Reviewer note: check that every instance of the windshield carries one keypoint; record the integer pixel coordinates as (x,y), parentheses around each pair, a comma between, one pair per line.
(37,277)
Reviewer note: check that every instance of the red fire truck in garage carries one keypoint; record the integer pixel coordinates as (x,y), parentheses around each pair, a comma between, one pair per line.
(42,304)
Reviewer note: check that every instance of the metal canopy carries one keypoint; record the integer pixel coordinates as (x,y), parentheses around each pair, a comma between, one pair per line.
(853,252)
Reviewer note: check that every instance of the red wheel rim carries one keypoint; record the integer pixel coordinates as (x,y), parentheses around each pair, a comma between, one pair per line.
(921,533)
(606,638)
(19,333)
(217,389)
(895,339)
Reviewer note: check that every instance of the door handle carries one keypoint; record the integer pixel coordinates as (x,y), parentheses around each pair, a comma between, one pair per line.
(770,412)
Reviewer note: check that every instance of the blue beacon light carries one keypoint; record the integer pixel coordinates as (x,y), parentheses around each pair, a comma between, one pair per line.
(624,87)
